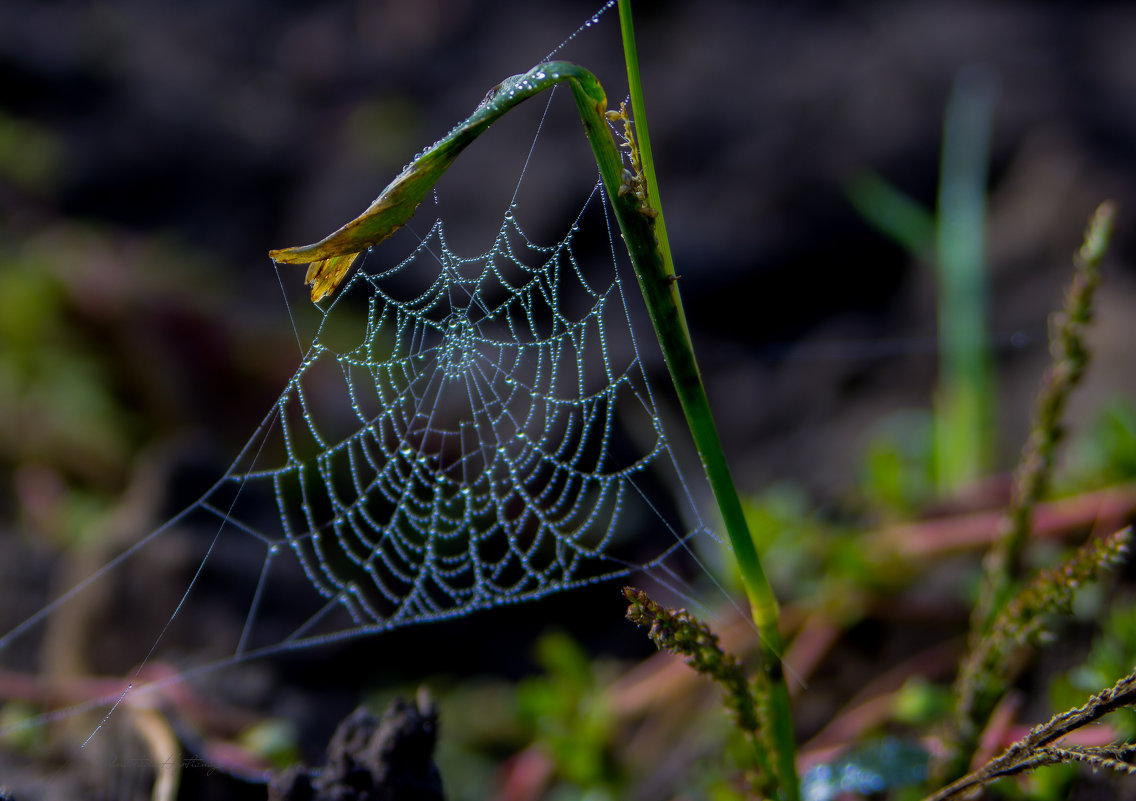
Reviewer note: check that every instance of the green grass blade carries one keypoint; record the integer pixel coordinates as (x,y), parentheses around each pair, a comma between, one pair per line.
(964,406)
(646,238)
(893,213)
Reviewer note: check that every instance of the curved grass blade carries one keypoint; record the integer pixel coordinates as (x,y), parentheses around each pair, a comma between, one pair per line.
(332,256)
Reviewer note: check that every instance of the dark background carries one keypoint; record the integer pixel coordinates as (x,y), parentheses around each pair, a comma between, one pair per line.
(230,128)
(152,152)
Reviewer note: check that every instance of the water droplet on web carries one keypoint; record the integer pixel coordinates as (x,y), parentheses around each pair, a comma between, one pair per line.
(466,491)
(405,450)
(273,549)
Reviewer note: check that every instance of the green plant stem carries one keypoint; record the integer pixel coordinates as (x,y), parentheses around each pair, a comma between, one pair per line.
(647,242)
(986,672)
(979,684)
(643,139)
(1031,477)
(679,632)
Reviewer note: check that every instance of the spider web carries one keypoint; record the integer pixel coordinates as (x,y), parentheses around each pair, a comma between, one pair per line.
(463,432)
(478,443)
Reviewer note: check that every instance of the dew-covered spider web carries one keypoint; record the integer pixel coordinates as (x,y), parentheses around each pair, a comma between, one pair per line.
(476,436)
(464,431)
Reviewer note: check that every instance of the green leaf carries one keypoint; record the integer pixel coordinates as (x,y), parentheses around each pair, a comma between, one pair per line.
(893,213)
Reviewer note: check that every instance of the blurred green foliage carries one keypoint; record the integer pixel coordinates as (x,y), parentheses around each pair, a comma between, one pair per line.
(56,405)
(85,382)
(954,239)
(1112,656)
(787,530)
(1050,783)
(817,558)
(569,715)
(274,739)
(1104,451)
(562,710)
(897,476)
(55,385)
(31,156)
(921,703)
(17,721)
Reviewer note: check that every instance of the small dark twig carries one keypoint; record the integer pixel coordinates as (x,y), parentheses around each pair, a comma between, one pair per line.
(1035,749)
(373,759)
